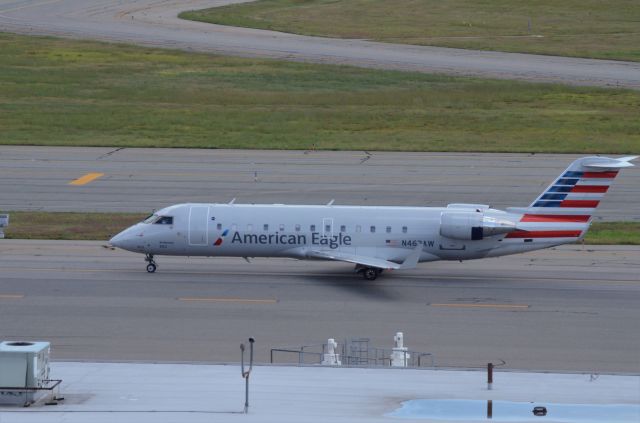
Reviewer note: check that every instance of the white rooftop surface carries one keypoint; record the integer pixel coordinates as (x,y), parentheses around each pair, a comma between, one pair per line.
(108,392)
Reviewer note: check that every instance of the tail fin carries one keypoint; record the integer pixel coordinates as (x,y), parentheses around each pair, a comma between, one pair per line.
(565,209)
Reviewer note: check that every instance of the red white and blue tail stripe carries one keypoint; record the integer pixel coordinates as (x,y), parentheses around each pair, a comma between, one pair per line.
(563,212)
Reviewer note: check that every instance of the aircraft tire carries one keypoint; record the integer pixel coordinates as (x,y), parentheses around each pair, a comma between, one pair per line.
(151,267)
(370,273)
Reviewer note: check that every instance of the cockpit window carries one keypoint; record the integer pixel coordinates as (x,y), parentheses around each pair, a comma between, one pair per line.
(165,220)
(151,218)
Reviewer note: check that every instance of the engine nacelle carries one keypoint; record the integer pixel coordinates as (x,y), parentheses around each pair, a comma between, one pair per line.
(475,207)
(473,226)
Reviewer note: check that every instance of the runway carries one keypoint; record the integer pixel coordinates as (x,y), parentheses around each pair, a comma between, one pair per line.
(142,180)
(567,309)
(155,23)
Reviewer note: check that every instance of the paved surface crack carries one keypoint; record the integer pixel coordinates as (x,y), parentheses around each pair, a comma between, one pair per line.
(367,157)
(110,153)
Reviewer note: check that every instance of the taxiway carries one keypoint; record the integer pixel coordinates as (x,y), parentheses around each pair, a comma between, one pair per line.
(141,180)
(571,308)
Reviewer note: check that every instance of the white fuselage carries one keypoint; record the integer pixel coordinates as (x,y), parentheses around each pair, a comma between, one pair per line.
(245,230)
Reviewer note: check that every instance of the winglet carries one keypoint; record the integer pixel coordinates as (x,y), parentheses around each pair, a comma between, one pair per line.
(412,259)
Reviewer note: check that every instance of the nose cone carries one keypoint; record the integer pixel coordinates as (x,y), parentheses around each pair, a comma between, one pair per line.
(122,240)
(116,240)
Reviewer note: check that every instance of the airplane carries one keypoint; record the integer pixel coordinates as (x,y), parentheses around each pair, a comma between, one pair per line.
(378,238)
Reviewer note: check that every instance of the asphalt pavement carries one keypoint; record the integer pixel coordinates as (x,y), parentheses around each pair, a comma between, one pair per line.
(571,308)
(141,180)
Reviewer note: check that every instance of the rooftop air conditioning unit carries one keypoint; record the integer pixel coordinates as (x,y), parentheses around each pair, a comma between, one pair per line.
(23,365)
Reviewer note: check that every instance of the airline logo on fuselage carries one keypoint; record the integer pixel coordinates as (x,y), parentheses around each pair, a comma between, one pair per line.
(331,241)
(220,238)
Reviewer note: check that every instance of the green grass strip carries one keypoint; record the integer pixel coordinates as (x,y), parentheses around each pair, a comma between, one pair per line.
(102,226)
(583,28)
(68,225)
(80,93)
(623,233)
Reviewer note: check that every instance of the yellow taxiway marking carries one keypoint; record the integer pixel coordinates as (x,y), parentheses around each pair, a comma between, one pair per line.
(462,305)
(11,296)
(229,300)
(83,180)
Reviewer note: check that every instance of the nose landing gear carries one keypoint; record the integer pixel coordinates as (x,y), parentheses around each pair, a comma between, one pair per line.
(151,267)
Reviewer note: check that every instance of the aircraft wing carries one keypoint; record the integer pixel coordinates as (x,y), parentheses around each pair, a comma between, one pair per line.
(410,262)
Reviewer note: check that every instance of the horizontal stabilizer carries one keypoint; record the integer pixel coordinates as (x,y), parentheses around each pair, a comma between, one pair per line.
(608,162)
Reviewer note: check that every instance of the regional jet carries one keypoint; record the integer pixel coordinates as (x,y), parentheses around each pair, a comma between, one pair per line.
(378,238)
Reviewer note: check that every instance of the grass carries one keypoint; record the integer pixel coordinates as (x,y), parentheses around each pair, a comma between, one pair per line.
(102,226)
(583,28)
(67,225)
(80,93)
(625,233)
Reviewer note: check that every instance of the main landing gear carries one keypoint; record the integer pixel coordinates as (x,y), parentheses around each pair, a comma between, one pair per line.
(369,273)
(151,266)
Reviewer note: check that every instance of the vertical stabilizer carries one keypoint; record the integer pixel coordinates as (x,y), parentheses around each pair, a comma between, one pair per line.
(563,212)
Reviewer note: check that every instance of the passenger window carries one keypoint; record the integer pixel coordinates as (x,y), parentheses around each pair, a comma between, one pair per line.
(297,228)
(165,220)
(281,227)
(313,228)
(373,229)
(358,228)
(388,229)
(219,226)
(343,228)
(327,228)
(265,227)
(404,229)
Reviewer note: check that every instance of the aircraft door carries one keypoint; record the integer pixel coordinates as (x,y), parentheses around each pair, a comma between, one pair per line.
(327,227)
(198,225)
